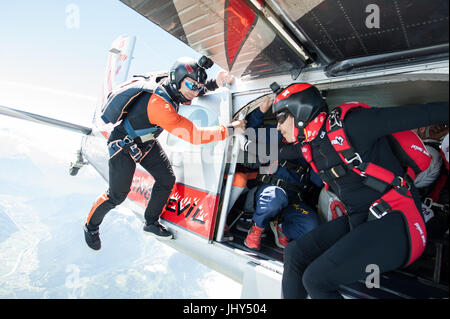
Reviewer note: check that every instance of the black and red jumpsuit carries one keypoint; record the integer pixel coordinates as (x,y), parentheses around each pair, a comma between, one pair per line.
(339,252)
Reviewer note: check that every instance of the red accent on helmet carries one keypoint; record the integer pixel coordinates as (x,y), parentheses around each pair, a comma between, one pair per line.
(189,68)
(287,92)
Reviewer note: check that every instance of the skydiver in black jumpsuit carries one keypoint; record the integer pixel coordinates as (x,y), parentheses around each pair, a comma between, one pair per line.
(338,252)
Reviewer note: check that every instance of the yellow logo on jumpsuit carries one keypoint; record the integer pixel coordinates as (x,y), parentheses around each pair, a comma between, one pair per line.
(301,209)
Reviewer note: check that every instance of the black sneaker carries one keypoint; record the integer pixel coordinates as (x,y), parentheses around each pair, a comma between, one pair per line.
(158,230)
(92,238)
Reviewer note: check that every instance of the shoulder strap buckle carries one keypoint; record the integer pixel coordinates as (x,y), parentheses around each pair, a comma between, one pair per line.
(400,182)
(334,119)
(355,157)
(338,171)
(127,140)
(289,165)
(379,209)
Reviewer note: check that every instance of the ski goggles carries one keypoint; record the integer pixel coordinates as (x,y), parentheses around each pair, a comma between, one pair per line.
(193,86)
(282,116)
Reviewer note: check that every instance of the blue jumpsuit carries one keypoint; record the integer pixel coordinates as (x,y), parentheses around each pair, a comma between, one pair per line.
(271,200)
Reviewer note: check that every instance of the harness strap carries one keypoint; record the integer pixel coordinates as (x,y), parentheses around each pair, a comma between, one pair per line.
(402,201)
(307,155)
(297,168)
(395,190)
(130,147)
(162,93)
(147,134)
(144,135)
(380,208)
(375,177)
(273,180)
(333,173)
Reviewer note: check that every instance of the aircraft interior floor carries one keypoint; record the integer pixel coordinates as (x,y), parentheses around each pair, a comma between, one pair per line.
(268,251)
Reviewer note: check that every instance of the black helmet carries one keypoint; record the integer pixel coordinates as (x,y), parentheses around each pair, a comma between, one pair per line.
(186,67)
(302,100)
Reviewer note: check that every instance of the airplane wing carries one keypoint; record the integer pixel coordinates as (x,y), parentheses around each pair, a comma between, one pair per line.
(44,120)
(270,37)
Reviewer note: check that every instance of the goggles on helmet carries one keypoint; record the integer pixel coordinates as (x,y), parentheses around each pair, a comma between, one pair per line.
(193,86)
(282,116)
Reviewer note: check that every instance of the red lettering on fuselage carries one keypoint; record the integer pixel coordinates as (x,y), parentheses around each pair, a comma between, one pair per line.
(187,207)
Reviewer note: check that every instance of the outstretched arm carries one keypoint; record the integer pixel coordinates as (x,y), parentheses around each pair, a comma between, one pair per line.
(365,126)
(164,115)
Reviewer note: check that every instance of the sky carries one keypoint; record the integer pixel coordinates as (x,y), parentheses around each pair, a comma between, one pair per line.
(52,64)
(42,48)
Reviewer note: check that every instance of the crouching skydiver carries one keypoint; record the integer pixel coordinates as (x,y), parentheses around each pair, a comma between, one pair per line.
(350,150)
(149,111)
(280,199)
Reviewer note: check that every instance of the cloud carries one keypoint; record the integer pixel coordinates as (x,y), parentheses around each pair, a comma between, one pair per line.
(46,90)
(45,211)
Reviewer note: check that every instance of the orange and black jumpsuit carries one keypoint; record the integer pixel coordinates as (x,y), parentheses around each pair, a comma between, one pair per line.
(160,112)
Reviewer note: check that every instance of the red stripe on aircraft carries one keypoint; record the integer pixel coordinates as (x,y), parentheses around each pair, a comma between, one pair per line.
(239,22)
(192,209)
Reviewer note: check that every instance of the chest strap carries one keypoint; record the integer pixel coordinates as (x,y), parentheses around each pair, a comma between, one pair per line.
(129,146)
(143,135)
(374,176)
(150,133)
(289,165)
(275,181)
